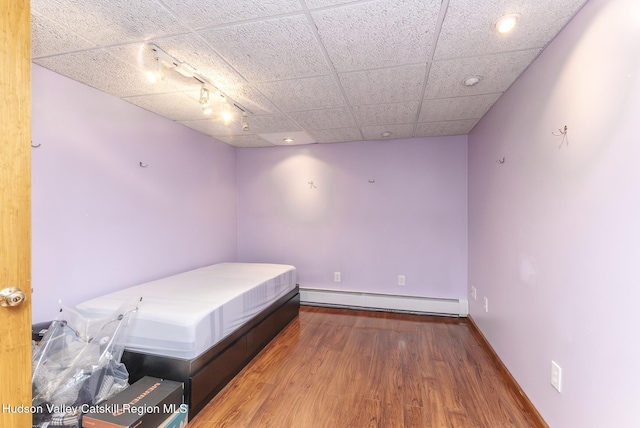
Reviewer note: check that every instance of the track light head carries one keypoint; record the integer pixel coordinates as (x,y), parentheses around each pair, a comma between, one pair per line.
(226,114)
(204,96)
(245,125)
(156,75)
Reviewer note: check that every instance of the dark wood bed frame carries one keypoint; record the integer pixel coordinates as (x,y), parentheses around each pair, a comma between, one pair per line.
(205,375)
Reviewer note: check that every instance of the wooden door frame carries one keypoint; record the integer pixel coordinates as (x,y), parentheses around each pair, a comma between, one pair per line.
(15,211)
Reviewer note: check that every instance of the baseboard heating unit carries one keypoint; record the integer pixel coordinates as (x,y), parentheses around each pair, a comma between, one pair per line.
(384,302)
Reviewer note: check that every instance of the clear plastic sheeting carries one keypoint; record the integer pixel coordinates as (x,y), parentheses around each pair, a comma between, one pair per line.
(77,365)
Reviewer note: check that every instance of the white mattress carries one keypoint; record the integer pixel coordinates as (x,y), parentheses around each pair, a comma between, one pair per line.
(185,314)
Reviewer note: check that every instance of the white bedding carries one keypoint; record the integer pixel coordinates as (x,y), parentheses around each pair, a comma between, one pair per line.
(185,314)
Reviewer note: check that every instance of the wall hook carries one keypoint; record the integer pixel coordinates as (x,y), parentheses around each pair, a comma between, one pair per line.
(561,132)
(143,166)
(311,185)
(564,134)
(501,161)
(35,146)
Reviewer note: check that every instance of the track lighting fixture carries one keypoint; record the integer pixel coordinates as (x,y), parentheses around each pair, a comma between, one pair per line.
(185,69)
(204,100)
(204,96)
(156,75)
(163,59)
(226,114)
(245,125)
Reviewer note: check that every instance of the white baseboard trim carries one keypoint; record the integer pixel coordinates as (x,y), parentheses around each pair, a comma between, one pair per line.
(373,301)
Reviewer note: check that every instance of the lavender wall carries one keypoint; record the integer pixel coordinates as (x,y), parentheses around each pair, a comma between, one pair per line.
(554,232)
(411,221)
(100,222)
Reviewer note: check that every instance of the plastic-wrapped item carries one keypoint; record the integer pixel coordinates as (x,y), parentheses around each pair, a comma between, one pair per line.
(77,365)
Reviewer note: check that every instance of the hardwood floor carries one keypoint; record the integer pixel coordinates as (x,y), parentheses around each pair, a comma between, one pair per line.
(339,368)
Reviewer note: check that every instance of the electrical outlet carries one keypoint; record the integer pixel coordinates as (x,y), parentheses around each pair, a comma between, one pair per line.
(401,280)
(337,277)
(474,293)
(486,304)
(556,376)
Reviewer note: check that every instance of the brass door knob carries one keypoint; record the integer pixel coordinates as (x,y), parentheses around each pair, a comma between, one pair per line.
(11,296)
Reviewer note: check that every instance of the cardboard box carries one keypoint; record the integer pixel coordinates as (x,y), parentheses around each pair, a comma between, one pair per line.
(145,404)
(178,420)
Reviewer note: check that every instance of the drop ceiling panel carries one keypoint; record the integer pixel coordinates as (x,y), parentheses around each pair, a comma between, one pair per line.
(437,129)
(336,135)
(337,70)
(103,71)
(275,49)
(386,114)
(324,119)
(49,38)
(473,107)
(375,34)
(385,85)
(468,29)
(376,132)
(312,93)
(497,73)
(245,141)
(271,123)
(317,4)
(206,14)
(111,22)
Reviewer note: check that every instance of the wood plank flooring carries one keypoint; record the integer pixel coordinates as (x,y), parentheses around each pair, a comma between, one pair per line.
(339,368)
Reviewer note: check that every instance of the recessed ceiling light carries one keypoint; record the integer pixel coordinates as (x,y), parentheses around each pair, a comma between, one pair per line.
(471,81)
(386,134)
(506,23)
(288,138)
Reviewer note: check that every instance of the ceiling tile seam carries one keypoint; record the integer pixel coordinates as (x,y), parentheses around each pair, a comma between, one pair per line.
(325,54)
(115,58)
(342,73)
(248,21)
(360,70)
(388,103)
(185,93)
(452,120)
(113,45)
(309,76)
(214,51)
(464,96)
(95,45)
(444,7)
(487,54)
(336,6)
(175,16)
(242,78)
(188,29)
(380,123)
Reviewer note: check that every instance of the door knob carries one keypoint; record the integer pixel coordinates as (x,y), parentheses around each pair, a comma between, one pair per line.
(11,296)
